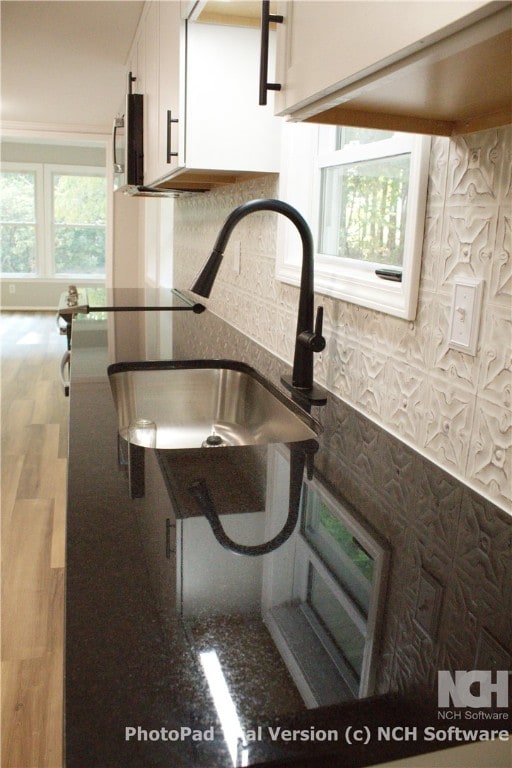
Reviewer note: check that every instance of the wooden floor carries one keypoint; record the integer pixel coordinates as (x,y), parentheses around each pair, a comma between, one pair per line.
(34,450)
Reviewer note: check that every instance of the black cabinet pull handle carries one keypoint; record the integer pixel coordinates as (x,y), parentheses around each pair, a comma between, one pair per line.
(170,121)
(266,19)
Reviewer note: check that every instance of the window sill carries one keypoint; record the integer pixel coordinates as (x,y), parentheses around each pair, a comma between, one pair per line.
(358,287)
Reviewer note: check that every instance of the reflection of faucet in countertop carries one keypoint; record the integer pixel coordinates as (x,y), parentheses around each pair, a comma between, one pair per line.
(308,339)
(301,455)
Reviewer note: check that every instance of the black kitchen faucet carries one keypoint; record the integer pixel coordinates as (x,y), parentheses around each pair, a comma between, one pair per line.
(308,339)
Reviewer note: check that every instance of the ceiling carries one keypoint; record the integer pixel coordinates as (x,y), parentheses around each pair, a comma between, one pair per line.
(63,62)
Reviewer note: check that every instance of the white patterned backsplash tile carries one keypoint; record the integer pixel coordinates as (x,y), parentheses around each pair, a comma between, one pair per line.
(431,255)
(448,424)
(501,276)
(414,337)
(490,451)
(505,183)
(474,167)
(438,170)
(468,242)
(406,401)
(496,357)
(371,386)
(340,366)
(450,406)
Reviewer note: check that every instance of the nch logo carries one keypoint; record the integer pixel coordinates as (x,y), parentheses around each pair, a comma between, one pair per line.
(472,689)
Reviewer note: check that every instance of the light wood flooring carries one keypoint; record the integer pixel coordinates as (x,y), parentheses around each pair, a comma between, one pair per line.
(34,430)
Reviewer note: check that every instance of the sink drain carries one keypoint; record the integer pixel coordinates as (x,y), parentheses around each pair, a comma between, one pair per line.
(213,441)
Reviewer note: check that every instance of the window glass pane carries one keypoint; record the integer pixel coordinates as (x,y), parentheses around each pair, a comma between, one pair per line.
(17,197)
(336,621)
(345,136)
(79,211)
(18,222)
(18,243)
(79,250)
(339,550)
(79,199)
(363,209)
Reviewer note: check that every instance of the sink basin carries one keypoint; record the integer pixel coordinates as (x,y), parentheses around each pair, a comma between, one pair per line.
(206,403)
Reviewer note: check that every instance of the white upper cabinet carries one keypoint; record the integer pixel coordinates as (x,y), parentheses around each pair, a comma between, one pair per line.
(427,67)
(171,42)
(203,126)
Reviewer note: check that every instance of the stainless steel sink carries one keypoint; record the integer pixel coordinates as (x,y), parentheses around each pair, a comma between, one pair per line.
(206,403)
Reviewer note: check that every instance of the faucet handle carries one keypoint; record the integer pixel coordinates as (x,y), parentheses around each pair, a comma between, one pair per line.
(319,322)
(314,340)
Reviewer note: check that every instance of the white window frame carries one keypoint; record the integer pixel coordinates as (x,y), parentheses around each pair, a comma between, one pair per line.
(306,150)
(45,260)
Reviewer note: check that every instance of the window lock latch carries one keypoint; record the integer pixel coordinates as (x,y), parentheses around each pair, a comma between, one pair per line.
(389,274)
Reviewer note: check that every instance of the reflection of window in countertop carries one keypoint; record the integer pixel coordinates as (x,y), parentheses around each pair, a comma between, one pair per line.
(322,597)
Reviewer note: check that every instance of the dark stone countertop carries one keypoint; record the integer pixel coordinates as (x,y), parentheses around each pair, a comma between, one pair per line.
(343,627)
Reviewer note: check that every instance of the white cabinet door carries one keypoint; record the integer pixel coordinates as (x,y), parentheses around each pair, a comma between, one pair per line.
(203,125)
(171,40)
(226,128)
(151,91)
(323,46)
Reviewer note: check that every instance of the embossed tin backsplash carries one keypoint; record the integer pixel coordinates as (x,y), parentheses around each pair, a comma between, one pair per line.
(453,408)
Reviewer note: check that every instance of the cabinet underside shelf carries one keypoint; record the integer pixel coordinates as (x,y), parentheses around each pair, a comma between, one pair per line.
(456,86)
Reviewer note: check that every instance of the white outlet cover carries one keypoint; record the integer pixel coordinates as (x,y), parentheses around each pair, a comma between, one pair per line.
(465,315)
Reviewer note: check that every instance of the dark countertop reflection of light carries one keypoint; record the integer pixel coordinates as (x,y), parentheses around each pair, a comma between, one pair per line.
(162,622)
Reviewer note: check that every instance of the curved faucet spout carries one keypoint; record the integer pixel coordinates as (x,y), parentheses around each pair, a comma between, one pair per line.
(309,337)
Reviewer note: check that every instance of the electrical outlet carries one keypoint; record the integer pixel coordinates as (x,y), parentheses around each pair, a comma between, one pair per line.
(465,315)
(12,288)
